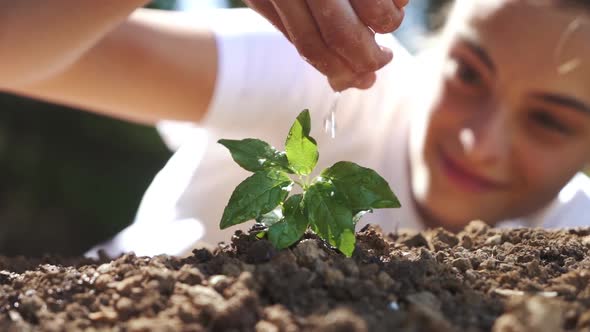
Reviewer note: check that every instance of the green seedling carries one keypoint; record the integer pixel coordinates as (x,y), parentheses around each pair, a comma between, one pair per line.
(330,204)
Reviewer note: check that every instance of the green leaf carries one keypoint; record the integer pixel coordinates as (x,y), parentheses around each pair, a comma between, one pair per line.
(329,218)
(271,218)
(302,150)
(255,196)
(255,155)
(362,187)
(288,231)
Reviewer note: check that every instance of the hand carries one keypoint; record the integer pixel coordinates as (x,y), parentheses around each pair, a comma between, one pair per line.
(337,36)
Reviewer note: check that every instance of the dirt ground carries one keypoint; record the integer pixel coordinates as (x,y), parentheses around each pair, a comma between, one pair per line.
(481,279)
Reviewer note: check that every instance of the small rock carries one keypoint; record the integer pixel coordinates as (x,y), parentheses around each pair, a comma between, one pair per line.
(280,317)
(190,275)
(477,227)
(247,279)
(426,255)
(584,320)
(103,281)
(264,326)
(443,239)
(124,286)
(202,255)
(508,292)
(369,271)
(425,308)
(531,314)
(125,307)
(494,239)
(466,242)
(350,268)
(308,252)
(470,276)
(105,268)
(339,320)
(333,276)
(205,297)
(165,280)
(231,269)
(104,316)
(417,240)
(463,264)
(188,313)
(488,264)
(426,299)
(260,251)
(219,282)
(384,281)
(14,316)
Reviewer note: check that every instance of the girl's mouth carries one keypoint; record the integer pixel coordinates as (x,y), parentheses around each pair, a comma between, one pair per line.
(464,178)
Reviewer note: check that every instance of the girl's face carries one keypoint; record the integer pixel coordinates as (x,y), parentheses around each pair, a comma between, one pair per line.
(509,123)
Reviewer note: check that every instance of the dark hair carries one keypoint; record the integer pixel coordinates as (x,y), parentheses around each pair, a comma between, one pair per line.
(436,13)
(576,3)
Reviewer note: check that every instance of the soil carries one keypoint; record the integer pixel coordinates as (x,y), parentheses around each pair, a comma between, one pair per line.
(481,279)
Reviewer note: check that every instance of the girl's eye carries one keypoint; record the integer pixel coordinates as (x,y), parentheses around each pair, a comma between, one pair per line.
(548,122)
(464,74)
(467,74)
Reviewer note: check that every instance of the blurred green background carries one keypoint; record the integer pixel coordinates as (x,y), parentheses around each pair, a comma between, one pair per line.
(70,179)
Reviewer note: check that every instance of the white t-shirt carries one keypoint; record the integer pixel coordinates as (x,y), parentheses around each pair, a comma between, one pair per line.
(261,87)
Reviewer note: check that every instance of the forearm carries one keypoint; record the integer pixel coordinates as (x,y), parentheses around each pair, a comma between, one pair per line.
(39,38)
(149,68)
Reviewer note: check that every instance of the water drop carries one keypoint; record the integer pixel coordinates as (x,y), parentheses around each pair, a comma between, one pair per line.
(393,305)
(330,118)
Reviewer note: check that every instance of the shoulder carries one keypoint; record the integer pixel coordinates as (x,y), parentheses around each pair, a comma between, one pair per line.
(572,206)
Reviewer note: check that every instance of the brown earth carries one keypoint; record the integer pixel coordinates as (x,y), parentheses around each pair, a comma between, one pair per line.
(481,279)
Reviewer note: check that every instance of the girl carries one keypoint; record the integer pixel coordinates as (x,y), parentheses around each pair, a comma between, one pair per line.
(493,123)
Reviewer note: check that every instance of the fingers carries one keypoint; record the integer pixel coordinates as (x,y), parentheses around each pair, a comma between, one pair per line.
(266,9)
(345,34)
(383,16)
(305,35)
(337,36)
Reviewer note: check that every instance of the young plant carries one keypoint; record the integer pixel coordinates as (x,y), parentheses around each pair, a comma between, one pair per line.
(331,204)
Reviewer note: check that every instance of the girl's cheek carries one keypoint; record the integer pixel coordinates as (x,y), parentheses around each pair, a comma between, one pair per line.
(539,168)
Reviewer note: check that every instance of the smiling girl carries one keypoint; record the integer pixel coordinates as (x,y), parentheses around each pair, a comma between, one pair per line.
(493,123)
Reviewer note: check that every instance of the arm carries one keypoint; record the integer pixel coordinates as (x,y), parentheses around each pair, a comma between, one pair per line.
(39,38)
(153,66)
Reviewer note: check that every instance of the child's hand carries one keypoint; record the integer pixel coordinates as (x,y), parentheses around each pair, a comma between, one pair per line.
(335,35)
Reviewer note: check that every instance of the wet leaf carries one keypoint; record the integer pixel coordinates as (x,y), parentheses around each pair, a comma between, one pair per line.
(301,149)
(294,224)
(362,188)
(271,218)
(255,196)
(328,217)
(255,155)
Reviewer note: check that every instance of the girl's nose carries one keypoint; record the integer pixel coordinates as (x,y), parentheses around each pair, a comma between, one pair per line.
(486,139)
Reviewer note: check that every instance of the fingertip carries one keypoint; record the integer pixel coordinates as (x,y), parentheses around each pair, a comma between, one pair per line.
(401,3)
(387,54)
(365,81)
(338,85)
